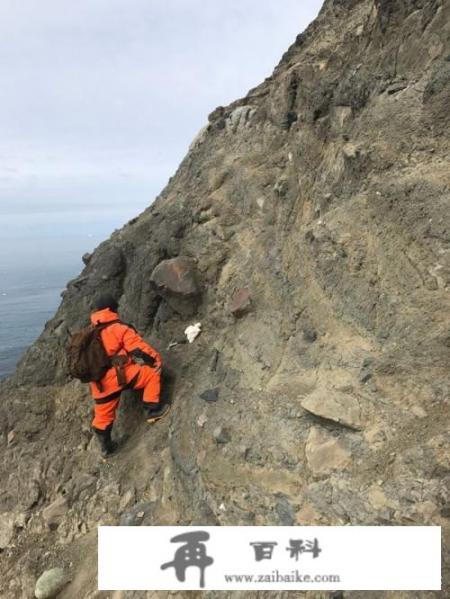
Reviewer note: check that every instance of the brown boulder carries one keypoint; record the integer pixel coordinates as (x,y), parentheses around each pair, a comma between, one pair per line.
(177,275)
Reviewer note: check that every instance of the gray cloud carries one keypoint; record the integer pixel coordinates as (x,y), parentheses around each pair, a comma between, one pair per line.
(103,93)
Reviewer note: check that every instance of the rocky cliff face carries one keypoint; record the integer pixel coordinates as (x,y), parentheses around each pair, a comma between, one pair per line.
(310,224)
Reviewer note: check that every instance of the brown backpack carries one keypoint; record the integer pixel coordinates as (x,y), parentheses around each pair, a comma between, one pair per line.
(86,357)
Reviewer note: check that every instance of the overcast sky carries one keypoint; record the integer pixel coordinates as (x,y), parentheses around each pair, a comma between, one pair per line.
(99,99)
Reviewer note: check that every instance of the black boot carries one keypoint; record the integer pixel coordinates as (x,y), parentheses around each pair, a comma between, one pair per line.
(154,412)
(107,446)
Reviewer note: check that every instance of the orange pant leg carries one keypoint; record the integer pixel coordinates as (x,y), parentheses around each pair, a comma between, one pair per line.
(150,381)
(105,414)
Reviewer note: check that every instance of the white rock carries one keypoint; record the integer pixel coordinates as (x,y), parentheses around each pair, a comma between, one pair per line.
(193,331)
(350,151)
(202,420)
(239,118)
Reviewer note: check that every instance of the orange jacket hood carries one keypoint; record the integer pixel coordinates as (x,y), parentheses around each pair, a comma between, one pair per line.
(105,315)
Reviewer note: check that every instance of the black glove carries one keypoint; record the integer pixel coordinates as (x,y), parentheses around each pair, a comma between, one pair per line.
(141,356)
(151,409)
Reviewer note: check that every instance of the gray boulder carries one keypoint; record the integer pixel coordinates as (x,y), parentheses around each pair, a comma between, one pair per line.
(50,583)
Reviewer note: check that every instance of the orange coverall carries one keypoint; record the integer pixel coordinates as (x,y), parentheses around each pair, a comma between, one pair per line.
(121,339)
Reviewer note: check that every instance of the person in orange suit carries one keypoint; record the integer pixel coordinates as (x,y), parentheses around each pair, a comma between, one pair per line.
(137,366)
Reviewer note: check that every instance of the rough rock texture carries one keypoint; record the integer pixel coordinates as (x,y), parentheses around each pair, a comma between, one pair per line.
(324,453)
(326,191)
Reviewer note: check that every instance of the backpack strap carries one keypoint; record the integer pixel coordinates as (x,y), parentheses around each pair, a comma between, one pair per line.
(118,362)
(103,325)
(100,326)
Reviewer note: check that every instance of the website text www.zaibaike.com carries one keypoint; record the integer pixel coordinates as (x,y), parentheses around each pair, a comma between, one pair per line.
(293,576)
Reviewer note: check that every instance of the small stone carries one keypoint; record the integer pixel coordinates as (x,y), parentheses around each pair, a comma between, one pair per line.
(202,420)
(135,515)
(365,375)
(350,151)
(419,412)
(50,583)
(395,88)
(309,334)
(210,395)
(11,436)
(241,302)
(281,187)
(221,435)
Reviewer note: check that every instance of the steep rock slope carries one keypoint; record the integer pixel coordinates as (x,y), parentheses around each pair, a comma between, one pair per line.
(315,213)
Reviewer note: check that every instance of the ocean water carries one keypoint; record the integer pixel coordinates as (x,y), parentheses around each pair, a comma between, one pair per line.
(39,253)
